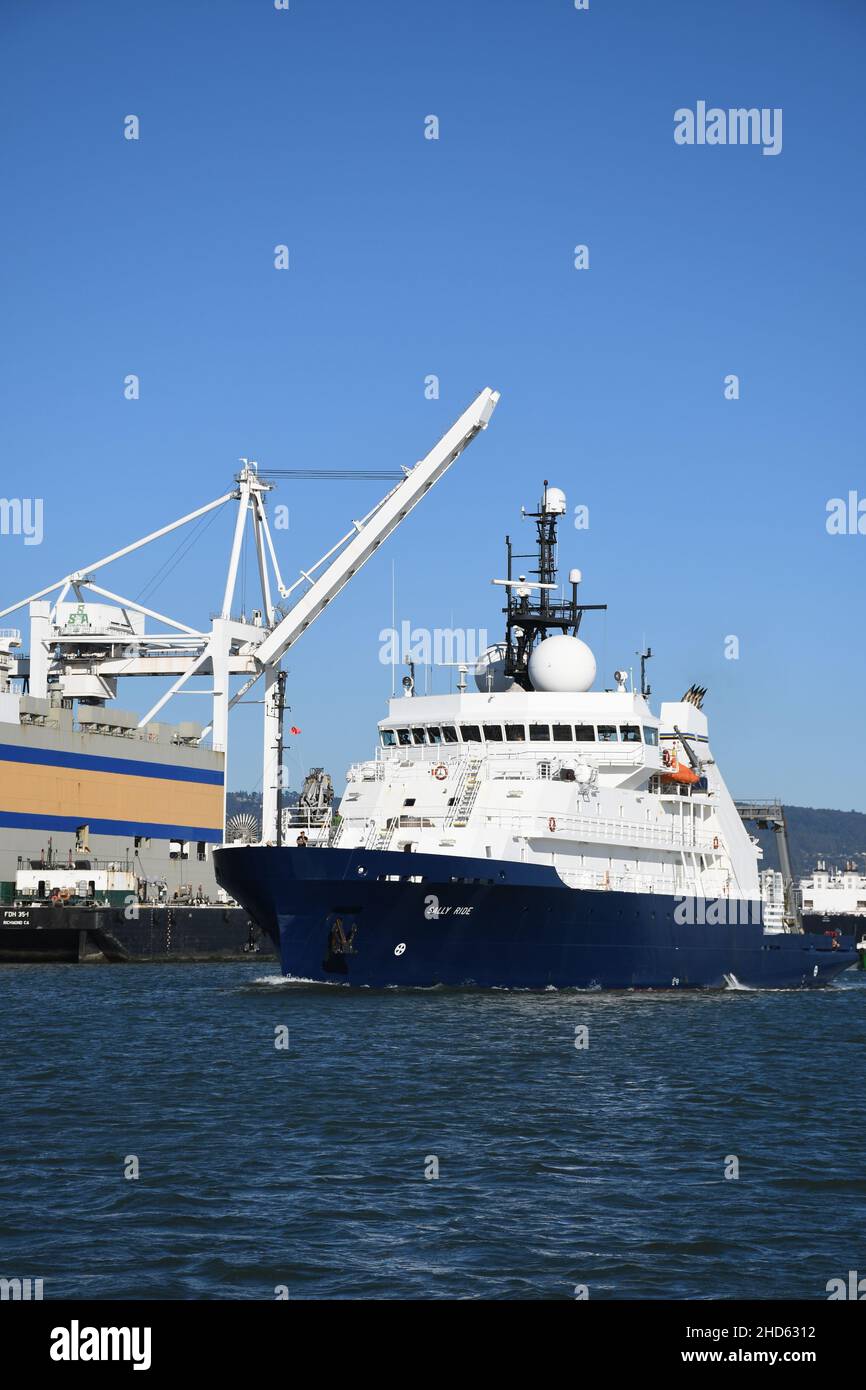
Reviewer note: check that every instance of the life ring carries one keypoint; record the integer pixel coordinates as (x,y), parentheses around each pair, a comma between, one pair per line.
(666,757)
(440,772)
(715,842)
(551,822)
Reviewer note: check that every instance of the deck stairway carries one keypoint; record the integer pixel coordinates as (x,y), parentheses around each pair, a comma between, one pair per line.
(464,797)
(380,836)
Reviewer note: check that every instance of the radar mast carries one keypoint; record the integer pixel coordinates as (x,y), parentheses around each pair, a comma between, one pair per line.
(532,610)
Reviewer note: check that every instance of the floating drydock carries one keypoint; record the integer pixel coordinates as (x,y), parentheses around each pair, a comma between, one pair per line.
(106,834)
(91,791)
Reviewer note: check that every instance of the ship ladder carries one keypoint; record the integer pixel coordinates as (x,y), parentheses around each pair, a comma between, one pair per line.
(383,837)
(467,791)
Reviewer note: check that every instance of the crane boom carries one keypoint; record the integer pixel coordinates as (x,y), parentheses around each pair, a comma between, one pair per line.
(385,519)
(369,535)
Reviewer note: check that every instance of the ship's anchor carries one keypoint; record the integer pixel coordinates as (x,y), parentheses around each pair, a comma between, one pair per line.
(339,946)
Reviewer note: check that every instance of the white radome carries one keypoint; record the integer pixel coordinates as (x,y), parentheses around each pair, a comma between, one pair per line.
(555,503)
(562,665)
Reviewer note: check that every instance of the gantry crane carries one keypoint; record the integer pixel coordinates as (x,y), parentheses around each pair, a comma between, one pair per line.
(81,649)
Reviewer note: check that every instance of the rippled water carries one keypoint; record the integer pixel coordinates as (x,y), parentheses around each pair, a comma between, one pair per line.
(304,1167)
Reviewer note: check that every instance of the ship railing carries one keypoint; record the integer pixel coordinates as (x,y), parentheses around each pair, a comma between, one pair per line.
(316,825)
(677,887)
(596,828)
(373,770)
(31,864)
(306,816)
(378,836)
(504,759)
(498,762)
(620,883)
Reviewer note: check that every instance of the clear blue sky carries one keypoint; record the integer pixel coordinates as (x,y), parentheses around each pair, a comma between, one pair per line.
(454,257)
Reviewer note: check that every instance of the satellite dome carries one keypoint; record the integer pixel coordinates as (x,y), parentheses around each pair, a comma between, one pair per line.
(562,665)
(554,502)
(490,674)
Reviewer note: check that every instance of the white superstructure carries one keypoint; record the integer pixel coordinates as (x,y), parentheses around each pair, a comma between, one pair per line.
(834,890)
(535,766)
(572,780)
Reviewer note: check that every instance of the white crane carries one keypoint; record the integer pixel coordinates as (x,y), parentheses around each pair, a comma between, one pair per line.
(349,554)
(82,649)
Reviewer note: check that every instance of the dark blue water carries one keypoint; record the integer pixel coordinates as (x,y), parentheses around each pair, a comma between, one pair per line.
(305,1168)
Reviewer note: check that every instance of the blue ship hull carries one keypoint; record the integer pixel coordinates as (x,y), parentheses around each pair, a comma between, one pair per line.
(379,918)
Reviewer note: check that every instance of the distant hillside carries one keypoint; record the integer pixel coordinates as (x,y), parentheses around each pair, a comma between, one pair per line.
(250,803)
(834,836)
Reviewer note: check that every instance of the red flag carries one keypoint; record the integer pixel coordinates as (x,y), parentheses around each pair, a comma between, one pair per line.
(294,730)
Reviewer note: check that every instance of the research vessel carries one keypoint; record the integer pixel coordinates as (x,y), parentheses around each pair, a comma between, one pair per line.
(534,832)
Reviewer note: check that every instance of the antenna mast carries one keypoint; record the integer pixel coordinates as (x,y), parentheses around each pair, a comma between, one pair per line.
(531,610)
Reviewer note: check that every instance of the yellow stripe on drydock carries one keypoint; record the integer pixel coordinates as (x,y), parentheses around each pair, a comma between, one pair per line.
(30,789)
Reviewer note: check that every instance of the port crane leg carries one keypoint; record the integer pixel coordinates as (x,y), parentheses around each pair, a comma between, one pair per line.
(792,907)
(40,634)
(771,815)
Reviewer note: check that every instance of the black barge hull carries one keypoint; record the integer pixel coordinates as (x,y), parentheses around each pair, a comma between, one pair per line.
(169,932)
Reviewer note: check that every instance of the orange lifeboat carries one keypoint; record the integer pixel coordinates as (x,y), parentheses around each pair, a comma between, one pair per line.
(677,771)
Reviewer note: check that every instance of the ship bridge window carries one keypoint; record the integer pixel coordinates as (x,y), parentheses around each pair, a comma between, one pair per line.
(419,736)
(449,733)
(539,733)
(389,738)
(584,733)
(515,733)
(630,733)
(562,733)
(651,735)
(493,733)
(404,738)
(471,733)
(607,733)
(434,734)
